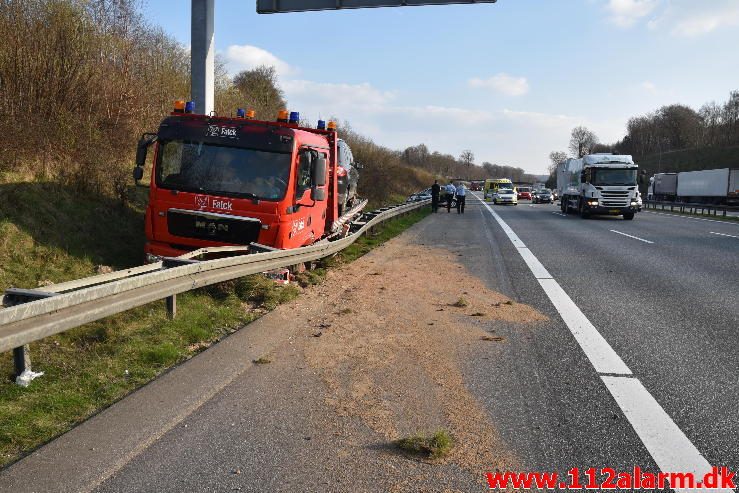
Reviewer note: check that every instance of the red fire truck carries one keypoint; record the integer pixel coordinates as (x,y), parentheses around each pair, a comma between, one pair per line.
(219,181)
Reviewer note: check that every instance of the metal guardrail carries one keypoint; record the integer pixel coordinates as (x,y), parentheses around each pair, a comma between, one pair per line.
(691,208)
(35,314)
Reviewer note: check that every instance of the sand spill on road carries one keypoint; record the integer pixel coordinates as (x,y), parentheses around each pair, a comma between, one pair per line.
(391,355)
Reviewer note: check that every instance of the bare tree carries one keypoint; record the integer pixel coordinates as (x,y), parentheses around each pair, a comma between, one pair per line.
(582,141)
(467,157)
(556,157)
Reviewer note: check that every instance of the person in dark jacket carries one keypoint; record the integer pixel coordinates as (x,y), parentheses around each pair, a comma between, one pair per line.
(435,189)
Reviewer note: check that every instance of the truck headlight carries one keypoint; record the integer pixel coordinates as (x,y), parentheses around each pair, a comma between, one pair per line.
(633,202)
(592,203)
(151,258)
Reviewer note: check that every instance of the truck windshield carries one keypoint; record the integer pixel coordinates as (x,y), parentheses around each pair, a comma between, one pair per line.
(230,171)
(614,177)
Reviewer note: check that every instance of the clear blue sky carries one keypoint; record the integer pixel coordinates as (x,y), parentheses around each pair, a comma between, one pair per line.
(506,80)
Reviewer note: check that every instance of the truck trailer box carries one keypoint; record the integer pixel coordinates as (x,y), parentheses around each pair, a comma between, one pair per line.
(734,186)
(665,184)
(706,183)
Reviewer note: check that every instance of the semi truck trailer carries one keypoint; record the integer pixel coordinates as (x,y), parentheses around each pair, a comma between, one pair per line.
(598,184)
(662,186)
(712,186)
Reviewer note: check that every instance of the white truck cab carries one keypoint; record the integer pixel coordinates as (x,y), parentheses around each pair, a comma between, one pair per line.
(599,184)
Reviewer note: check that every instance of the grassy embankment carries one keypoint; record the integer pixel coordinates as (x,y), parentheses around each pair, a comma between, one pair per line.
(49,233)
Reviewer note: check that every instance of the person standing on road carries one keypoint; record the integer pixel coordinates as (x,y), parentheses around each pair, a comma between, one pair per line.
(451,190)
(435,190)
(461,193)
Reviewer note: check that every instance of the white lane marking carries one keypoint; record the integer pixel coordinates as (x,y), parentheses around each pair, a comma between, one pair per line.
(723,234)
(534,265)
(559,214)
(693,218)
(663,439)
(601,355)
(666,443)
(635,237)
(599,352)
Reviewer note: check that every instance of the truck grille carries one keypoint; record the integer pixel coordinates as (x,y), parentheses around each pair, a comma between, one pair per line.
(213,226)
(615,198)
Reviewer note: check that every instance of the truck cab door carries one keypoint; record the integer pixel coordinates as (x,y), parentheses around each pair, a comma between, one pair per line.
(308,220)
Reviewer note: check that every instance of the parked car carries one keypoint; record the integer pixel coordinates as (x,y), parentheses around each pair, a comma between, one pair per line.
(542,196)
(348,176)
(505,196)
(418,196)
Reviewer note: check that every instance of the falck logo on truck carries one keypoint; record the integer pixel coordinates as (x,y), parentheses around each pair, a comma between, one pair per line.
(203,201)
(298,226)
(220,131)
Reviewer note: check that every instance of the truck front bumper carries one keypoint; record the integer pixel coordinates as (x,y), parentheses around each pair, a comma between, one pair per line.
(154,251)
(611,211)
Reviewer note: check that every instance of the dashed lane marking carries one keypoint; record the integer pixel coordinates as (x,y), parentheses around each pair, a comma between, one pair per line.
(630,236)
(723,234)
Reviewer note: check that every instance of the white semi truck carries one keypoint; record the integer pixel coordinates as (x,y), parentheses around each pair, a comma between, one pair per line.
(599,184)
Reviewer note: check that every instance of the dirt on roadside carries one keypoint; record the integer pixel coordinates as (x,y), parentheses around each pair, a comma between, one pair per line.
(386,334)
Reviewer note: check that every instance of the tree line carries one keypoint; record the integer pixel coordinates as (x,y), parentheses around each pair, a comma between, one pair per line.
(463,167)
(670,128)
(81,80)
(677,127)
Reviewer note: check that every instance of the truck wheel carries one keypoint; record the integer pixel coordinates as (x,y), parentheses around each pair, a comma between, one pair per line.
(584,213)
(628,216)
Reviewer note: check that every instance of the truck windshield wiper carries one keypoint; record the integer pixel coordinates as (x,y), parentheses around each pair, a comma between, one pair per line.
(245,195)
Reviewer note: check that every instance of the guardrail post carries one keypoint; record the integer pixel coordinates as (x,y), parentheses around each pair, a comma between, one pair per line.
(21,360)
(172,306)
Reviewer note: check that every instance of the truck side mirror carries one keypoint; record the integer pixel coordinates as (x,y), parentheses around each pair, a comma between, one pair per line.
(138,173)
(583,177)
(317,194)
(141,154)
(358,165)
(319,171)
(144,142)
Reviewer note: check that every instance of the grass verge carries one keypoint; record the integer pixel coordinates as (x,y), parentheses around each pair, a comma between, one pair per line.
(51,234)
(429,446)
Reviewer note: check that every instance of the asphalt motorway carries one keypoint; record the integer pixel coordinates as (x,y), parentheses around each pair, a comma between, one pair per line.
(663,292)
(657,385)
